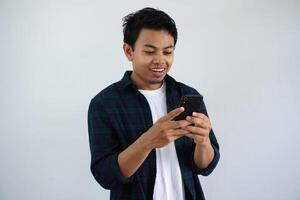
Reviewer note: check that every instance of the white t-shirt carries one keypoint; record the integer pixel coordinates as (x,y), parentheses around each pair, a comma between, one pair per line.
(168,182)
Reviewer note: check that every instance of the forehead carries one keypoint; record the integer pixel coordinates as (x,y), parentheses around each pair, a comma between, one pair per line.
(157,38)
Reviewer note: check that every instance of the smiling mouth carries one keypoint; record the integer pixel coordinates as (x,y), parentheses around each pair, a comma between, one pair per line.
(159,70)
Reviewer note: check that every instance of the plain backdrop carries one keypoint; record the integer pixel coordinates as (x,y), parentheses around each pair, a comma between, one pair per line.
(242,56)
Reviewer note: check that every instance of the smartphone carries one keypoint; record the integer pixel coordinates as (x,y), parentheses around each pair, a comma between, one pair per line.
(191,103)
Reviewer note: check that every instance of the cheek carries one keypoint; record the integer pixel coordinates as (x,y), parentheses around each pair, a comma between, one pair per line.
(141,57)
(142,63)
(170,60)
(145,60)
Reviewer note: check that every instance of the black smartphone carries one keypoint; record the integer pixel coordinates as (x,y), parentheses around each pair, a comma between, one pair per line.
(191,103)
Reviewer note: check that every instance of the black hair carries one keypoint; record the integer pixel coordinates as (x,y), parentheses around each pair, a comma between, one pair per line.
(149,18)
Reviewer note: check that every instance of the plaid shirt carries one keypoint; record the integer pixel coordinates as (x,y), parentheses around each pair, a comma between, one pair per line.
(119,115)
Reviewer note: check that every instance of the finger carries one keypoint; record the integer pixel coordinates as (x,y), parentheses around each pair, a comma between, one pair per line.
(179,124)
(190,135)
(179,132)
(200,115)
(195,136)
(196,130)
(176,137)
(198,122)
(173,114)
(179,136)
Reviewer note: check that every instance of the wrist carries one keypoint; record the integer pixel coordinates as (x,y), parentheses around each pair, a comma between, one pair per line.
(203,143)
(145,142)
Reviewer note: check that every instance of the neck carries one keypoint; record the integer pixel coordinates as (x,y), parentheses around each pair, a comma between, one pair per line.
(144,85)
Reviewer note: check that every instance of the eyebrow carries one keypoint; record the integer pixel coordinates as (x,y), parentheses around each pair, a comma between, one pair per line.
(154,47)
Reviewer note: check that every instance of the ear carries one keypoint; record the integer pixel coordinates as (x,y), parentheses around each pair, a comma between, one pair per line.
(128,51)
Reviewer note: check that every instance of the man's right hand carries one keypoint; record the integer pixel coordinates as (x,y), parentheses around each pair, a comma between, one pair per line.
(165,130)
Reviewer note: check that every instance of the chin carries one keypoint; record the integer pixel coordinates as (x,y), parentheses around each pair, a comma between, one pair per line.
(157,81)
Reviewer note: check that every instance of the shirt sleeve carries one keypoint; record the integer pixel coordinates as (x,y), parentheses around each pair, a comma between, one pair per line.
(209,169)
(104,147)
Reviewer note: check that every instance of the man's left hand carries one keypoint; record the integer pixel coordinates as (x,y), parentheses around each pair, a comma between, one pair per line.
(201,129)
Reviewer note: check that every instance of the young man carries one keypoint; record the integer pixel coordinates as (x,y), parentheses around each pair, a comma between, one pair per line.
(138,151)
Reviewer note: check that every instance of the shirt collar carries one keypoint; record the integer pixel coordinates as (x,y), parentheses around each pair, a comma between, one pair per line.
(126,81)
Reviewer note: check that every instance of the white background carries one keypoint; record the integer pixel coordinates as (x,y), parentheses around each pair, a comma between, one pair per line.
(243,56)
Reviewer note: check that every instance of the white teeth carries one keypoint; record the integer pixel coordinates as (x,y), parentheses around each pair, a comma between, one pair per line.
(158,70)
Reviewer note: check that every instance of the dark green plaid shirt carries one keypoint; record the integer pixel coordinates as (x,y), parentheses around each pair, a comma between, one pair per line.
(117,116)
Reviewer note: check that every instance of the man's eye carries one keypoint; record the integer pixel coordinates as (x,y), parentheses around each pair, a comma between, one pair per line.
(168,52)
(149,52)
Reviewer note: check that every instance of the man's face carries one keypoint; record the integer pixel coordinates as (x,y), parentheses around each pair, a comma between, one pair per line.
(151,58)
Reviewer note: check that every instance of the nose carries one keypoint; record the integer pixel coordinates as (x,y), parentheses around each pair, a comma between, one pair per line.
(159,59)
